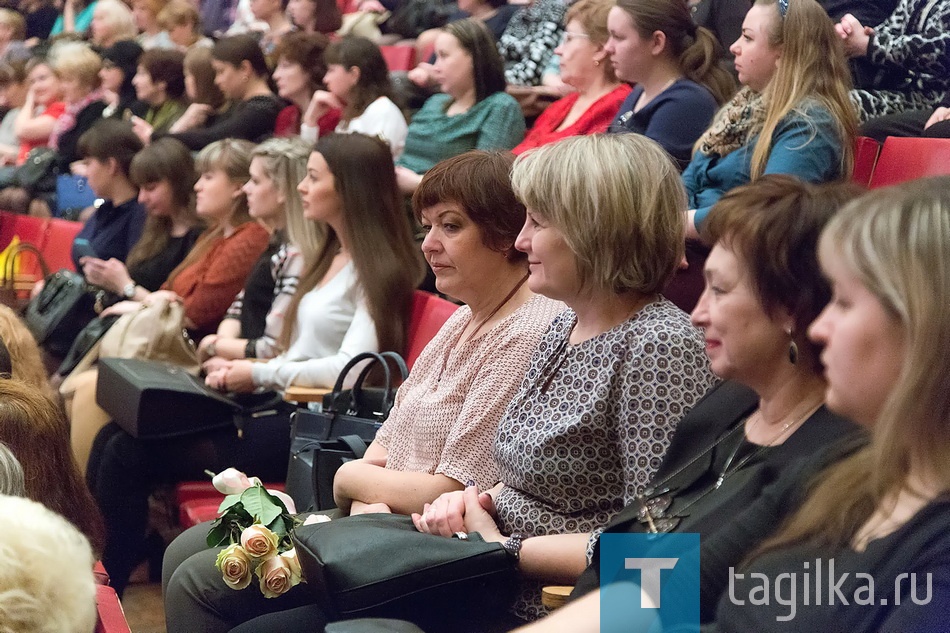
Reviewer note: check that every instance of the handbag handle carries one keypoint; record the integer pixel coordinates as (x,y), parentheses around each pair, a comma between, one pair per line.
(376,358)
(356,393)
(13,258)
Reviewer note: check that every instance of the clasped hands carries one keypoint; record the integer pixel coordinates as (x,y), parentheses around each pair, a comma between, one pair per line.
(460,511)
(856,36)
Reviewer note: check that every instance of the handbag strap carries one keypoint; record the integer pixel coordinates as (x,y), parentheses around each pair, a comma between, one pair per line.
(14,256)
(356,444)
(359,358)
(356,393)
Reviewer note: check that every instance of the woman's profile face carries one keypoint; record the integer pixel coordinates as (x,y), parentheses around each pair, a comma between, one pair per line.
(45,84)
(301,12)
(291,79)
(111,77)
(340,80)
(756,58)
(552,266)
(229,79)
(454,67)
(191,86)
(157,198)
(100,28)
(100,177)
(743,342)
(863,346)
(578,54)
(215,195)
(321,201)
(454,249)
(146,89)
(73,90)
(630,54)
(264,201)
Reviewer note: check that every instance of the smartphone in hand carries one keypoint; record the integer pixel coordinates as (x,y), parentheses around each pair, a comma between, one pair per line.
(83,248)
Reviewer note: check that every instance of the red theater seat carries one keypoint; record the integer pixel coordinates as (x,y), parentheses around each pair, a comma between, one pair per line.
(904,159)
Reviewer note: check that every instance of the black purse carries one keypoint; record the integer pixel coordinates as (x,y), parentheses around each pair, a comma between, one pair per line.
(38,172)
(58,314)
(380,566)
(85,341)
(322,441)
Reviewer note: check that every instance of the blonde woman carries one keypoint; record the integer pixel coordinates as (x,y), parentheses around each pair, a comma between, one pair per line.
(112,21)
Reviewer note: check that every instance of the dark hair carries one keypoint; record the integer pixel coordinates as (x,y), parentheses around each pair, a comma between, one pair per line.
(480,182)
(488,69)
(388,264)
(326,17)
(167,66)
(36,431)
(238,49)
(695,49)
(305,50)
(373,82)
(772,225)
(170,160)
(198,65)
(110,138)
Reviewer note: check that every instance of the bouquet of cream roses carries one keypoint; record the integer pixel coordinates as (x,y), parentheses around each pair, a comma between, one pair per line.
(254,526)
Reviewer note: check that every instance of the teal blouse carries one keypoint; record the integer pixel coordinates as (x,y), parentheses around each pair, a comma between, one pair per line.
(495,122)
(83,20)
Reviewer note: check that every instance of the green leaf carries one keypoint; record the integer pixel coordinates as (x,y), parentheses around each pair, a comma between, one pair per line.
(229,501)
(219,535)
(261,505)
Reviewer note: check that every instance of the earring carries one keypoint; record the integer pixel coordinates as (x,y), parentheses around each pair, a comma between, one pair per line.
(596,62)
(792,348)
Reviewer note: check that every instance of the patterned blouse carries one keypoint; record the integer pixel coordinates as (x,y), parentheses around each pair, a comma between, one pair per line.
(591,423)
(529,40)
(447,411)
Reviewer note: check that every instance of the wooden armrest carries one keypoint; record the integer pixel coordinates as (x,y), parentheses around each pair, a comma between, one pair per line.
(555,597)
(305,394)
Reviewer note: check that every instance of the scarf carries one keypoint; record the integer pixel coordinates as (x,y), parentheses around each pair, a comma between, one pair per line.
(67,120)
(735,124)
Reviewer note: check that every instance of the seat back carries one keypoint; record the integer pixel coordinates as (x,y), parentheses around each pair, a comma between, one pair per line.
(57,250)
(866,151)
(429,314)
(111,617)
(399,57)
(904,159)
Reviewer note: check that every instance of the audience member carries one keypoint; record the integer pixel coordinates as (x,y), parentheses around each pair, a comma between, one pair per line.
(882,513)
(678,82)
(159,83)
(23,353)
(75,18)
(909,54)
(112,21)
(918,123)
(354,297)
(11,474)
(474,111)
(40,16)
(241,74)
(529,40)
(589,198)
(357,84)
(14,88)
(12,34)
(315,16)
(33,427)
(119,64)
(77,66)
(207,101)
(182,21)
(271,14)
(46,581)
(43,106)
(151,32)
(585,67)
(455,394)
(298,75)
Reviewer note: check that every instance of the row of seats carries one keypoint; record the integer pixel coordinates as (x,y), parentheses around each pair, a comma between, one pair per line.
(52,237)
(899,160)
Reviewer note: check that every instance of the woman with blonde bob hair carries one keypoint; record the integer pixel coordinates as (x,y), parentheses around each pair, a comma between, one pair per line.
(604,232)
(882,513)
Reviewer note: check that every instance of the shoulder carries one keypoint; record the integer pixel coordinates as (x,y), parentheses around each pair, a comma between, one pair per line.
(383,106)
(534,317)
(263,103)
(434,105)
(810,112)
(500,100)
(660,319)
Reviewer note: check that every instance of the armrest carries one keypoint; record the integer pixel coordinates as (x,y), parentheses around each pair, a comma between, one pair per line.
(554,597)
(305,394)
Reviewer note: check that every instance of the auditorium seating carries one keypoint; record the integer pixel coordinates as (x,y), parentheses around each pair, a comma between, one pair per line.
(904,159)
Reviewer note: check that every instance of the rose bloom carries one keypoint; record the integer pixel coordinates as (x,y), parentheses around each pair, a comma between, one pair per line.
(259,542)
(235,566)
(277,575)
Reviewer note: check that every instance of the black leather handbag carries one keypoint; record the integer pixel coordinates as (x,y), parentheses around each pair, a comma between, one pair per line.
(322,441)
(58,314)
(380,566)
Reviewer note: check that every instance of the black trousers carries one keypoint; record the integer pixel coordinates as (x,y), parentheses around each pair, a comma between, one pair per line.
(909,123)
(123,471)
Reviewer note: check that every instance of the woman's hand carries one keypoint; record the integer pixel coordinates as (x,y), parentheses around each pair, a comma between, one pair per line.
(216,363)
(118,309)
(940,114)
(206,343)
(142,129)
(217,379)
(448,514)
(321,102)
(239,378)
(161,295)
(479,515)
(194,116)
(421,75)
(856,36)
(109,274)
(358,507)
(407,180)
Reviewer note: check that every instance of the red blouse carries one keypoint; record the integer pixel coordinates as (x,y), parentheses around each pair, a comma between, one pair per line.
(594,120)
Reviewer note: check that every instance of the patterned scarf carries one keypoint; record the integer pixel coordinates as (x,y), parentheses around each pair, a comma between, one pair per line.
(67,119)
(735,123)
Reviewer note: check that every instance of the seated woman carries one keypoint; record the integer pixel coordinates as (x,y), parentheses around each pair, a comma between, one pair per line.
(255,320)
(180,18)
(529,40)
(298,76)
(112,21)
(152,35)
(160,84)
(679,84)
(241,73)
(881,515)
(357,84)
(354,297)
(21,352)
(908,54)
(119,64)
(474,112)
(455,394)
(749,450)
(315,16)
(586,68)
(767,127)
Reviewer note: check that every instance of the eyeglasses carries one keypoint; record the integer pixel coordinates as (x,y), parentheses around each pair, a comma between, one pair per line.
(569,37)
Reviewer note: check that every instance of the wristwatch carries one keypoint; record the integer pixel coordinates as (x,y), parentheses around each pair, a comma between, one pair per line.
(513,545)
(128,291)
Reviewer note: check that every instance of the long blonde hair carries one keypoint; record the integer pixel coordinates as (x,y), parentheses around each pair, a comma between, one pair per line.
(813,68)
(896,242)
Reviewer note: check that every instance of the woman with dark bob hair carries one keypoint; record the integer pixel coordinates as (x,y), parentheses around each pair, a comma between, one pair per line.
(473,111)
(298,75)
(160,83)
(241,73)
(455,394)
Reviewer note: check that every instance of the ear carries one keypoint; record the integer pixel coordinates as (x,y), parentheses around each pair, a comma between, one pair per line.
(355,73)
(657,42)
(601,55)
(247,69)
(113,166)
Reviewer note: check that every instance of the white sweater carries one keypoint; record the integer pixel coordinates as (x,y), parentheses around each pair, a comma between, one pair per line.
(333,325)
(380,118)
